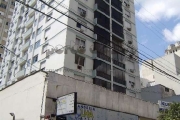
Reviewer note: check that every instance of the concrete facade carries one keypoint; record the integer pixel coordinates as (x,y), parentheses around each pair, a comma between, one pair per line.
(33,96)
(170,64)
(33,34)
(155,93)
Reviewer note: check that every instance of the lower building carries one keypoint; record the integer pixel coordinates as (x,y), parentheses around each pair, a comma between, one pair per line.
(170,64)
(34,98)
(155,93)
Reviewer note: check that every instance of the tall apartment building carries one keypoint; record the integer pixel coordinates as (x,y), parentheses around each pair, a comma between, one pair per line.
(6,11)
(99,54)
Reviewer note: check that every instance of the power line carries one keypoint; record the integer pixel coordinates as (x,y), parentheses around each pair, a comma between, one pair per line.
(93,38)
(93,30)
(89,28)
(157,36)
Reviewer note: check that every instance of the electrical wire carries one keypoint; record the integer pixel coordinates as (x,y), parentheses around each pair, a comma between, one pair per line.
(93,38)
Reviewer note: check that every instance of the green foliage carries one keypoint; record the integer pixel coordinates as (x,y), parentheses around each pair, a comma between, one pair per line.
(173,113)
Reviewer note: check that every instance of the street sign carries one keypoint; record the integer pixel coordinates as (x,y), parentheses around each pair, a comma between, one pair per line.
(163,105)
(67,104)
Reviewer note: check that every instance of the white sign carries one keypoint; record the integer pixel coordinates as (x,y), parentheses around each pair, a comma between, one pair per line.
(163,105)
(66,104)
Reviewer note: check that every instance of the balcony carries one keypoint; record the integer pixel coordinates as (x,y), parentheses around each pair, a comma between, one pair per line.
(103,75)
(31,12)
(23,59)
(103,56)
(19,35)
(120,81)
(30,22)
(28,33)
(32,3)
(25,46)
(119,64)
(20,74)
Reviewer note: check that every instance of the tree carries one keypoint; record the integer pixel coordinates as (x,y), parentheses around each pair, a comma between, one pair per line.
(173,113)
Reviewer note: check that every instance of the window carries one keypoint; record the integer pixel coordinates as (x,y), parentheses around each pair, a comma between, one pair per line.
(166,89)
(79,60)
(103,69)
(102,20)
(81,24)
(49,18)
(42,65)
(44,48)
(82,10)
(35,22)
(42,6)
(35,59)
(119,76)
(79,77)
(30,48)
(37,44)
(6,23)
(41,18)
(129,36)
(33,35)
(117,29)
(128,25)
(39,30)
(119,89)
(80,42)
(117,16)
(102,83)
(127,13)
(28,62)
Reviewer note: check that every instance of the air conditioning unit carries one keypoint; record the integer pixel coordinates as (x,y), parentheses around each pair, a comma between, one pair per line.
(81,49)
(132,70)
(132,84)
(45,38)
(130,42)
(79,67)
(127,4)
(83,14)
(129,28)
(81,30)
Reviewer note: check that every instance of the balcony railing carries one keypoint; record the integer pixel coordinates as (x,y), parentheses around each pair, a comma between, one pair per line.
(23,59)
(30,22)
(28,33)
(120,81)
(32,3)
(103,56)
(119,64)
(20,74)
(25,46)
(103,75)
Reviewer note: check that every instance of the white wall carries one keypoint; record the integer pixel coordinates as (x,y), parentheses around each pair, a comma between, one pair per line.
(24,99)
(169,67)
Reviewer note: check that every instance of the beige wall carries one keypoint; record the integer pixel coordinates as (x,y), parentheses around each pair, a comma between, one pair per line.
(24,99)
(97,96)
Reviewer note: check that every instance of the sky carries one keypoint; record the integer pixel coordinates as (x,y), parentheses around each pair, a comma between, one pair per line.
(157,25)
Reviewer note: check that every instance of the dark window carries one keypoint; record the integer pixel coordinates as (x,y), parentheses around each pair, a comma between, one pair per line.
(117,16)
(102,35)
(117,44)
(117,4)
(167,89)
(117,29)
(118,59)
(102,83)
(103,52)
(102,20)
(35,59)
(102,6)
(119,76)
(79,60)
(119,89)
(102,69)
